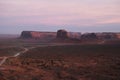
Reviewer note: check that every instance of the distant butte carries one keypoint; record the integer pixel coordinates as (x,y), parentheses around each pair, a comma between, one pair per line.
(63,34)
(37,35)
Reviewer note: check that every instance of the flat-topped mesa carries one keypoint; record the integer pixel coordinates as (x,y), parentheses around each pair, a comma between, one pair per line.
(37,35)
(64,35)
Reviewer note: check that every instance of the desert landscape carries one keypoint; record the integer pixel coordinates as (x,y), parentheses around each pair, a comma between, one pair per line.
(64,56)
(59,39)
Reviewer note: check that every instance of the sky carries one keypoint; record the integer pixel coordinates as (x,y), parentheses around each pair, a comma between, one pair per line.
(51,15)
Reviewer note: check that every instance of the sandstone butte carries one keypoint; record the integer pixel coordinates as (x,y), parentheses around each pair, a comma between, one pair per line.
(63,34)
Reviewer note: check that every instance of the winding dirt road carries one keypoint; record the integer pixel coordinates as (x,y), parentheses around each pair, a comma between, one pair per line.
(17,54)
(3,60)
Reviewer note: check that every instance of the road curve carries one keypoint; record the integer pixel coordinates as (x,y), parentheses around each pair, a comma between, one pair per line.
(17,54)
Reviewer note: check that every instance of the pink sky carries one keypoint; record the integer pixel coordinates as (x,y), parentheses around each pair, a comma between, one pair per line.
(77,13)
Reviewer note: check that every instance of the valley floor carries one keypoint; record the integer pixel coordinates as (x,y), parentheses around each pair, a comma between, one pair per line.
(64,62)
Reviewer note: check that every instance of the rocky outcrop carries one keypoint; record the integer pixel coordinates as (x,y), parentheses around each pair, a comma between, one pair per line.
(74,35)
(100,36)
(65,35)
(107,36)
(37,35)
(62,34)
(118,35)
(89,36)
(26,34)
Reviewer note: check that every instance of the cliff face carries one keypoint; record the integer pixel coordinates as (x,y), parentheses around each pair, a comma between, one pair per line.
(118,35)
(37,35)
(74,35)
(89,36)
(26,34)
(100,36)
(63,34)
(107,36)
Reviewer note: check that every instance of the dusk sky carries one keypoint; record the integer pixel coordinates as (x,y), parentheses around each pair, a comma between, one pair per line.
(51,15)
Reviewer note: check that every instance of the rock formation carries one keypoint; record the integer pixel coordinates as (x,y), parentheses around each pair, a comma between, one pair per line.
(89,36)
(62,34)
(37,35)
(118,35)
(107,36)
(74,35)
(100,36)
(26,34)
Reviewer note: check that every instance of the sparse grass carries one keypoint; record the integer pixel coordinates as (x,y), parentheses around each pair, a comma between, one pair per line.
(65,62)
(87,62)
(9,51)
(73,50)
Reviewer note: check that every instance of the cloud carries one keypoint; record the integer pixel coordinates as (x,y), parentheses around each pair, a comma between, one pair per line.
(79,13)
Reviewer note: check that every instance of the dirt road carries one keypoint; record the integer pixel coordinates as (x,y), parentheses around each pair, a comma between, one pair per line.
(17,54)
